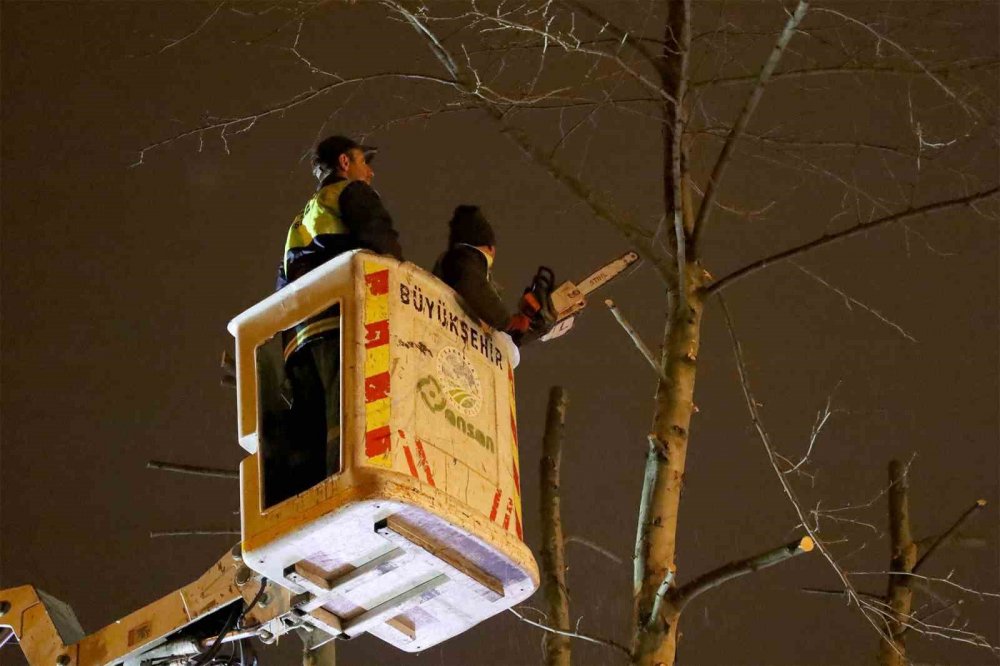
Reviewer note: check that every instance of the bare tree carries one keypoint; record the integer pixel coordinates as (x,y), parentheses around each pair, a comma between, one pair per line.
(729,91)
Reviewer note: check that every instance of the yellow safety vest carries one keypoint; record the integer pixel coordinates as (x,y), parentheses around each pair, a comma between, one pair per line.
(320,216)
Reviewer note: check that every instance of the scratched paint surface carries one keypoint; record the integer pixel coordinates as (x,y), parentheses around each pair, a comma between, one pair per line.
(438,393)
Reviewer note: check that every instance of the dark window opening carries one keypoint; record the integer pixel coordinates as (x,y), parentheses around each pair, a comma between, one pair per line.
(298,379)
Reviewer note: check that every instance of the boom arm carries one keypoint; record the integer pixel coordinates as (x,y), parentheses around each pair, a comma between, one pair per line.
(50,635)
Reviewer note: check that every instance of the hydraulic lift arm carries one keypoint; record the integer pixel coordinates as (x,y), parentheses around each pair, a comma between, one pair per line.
(50,635)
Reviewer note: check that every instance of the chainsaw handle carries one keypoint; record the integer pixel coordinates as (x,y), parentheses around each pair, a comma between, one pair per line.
(545,278)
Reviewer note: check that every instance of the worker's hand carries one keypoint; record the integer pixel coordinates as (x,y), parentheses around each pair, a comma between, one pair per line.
(545,317)
(519,323)
(535,316)
(529,304)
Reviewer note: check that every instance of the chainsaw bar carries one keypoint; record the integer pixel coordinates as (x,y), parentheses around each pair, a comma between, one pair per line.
(569,298)
(606,273)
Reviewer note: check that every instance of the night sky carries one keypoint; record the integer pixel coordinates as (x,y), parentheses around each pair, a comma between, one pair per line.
(118,281)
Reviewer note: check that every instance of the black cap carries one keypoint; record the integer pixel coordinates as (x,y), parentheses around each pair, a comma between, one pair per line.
(331,148)
(468,225)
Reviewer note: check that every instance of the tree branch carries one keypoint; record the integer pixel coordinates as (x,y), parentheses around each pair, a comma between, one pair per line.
(687,592)
(675,75)
(195,470)
(244,123)
(656,451)
(719,133)
(636,340)
(923,68)
(945,538)
(194,32)
(848,300)
(748,108)
(845,69)
(765,440)
(575,634)
(620,35)
(827,239)
(839,593)
(155,535)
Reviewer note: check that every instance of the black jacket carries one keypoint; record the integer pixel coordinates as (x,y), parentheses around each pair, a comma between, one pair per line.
(465,269)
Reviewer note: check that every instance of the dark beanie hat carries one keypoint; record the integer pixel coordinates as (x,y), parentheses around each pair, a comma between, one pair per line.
(468,225)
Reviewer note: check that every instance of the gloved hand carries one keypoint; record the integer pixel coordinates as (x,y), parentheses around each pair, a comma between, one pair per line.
(545,317)
(535,316)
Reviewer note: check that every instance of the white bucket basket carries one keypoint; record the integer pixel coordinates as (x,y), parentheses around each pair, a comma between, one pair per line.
(419,536)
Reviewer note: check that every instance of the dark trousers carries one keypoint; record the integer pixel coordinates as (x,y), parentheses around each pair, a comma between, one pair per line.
(314,374)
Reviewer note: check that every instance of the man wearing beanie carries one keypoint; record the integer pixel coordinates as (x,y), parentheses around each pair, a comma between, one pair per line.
(466,266)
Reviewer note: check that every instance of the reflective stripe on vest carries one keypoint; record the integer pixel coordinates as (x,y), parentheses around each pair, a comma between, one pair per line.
(321,216)
(307,333)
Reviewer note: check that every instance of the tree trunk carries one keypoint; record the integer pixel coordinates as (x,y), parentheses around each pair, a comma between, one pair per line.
(557,647)
(899,596)
(655,639)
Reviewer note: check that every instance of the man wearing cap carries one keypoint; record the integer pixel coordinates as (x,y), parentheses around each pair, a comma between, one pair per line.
(466,266)
(344,214)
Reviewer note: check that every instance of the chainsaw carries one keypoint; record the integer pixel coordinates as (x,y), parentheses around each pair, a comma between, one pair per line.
(568,298)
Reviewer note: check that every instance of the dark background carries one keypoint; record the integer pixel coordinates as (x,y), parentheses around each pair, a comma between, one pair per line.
(118,281)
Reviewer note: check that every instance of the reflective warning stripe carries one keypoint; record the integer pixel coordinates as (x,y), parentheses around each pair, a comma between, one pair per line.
(378,438)
(515,501)
(303,334)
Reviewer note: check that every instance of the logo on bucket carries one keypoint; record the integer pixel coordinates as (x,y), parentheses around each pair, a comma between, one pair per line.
(460,382)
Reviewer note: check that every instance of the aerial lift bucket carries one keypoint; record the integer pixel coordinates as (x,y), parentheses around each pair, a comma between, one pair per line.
(418,536)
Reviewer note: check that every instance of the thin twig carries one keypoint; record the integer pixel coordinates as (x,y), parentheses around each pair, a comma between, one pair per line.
(595,547)
(620,35)
(850,299)
(196,30)
(929,579)
(839,593)
(821,418)
(584,637)
(283,107)
(882,38)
